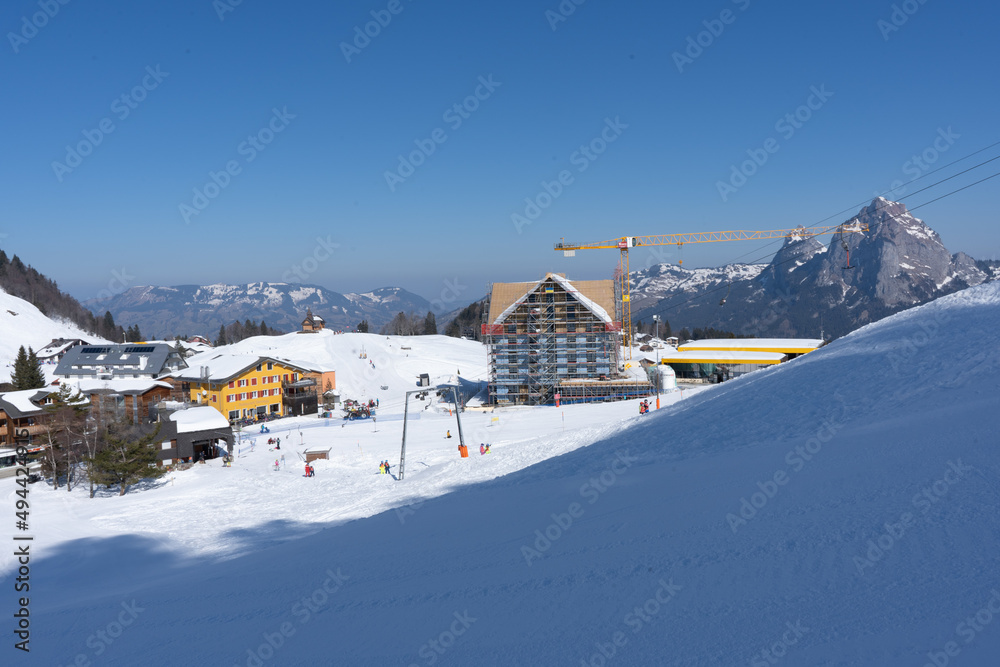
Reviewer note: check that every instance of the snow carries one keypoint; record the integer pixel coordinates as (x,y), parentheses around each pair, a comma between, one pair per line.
(759,344)
(865,472)
(200,418)
(733,356)
(22,399)
(567,285)
(119,385)
(23,324)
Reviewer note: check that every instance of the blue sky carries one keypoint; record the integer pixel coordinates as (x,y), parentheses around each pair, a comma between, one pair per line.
(309,129)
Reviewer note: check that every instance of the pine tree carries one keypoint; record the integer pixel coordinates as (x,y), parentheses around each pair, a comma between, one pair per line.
(263,329)
(27,371)
(363,326)
(35,373)
(66,421)
(221,340)
(127,458)
(430,324)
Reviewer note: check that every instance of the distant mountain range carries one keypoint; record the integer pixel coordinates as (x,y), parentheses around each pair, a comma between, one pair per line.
(201,309)
(807,288)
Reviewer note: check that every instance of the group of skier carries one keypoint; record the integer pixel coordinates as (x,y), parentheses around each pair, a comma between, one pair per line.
(644,407)
(383,467)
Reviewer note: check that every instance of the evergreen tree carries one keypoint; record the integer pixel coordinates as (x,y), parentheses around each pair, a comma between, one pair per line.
(363,326)
(430,324)
(250,329)
(35,374)
(263,329)
(127,458)
(221,340)
(27,371)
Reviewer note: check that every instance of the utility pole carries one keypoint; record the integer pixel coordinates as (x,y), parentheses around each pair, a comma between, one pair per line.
(656,319)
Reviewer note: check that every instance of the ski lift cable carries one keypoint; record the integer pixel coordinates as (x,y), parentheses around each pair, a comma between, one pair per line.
(668,306)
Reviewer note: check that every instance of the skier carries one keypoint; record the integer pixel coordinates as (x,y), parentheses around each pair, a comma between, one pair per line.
(276,464)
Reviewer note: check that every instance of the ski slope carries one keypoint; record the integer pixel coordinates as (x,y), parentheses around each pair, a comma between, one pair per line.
(839,509)
(367,362)
(23,324)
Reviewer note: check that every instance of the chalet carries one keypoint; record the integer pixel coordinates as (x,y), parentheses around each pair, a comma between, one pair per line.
(244,386)
(312,322)
(133,400)
(54,351)
(23,416)
(105,362)
(193,434)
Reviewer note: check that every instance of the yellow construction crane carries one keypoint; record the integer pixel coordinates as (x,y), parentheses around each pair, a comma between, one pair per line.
(623,244)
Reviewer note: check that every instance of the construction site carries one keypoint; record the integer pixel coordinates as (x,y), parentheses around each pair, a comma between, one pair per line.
(557,341)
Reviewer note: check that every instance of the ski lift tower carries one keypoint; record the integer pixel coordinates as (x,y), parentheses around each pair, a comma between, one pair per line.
(406,406)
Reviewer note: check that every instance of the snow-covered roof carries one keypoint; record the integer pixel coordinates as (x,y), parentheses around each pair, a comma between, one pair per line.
(568,286)
(202,418)
(116,385)
(223,366)
(787,345)
(21,400)
(722,357)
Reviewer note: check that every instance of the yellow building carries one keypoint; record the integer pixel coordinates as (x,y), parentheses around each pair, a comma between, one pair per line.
(248,386)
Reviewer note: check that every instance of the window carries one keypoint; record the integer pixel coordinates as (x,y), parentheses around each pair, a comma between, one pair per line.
(253,381)
(243,383)
(259,366)
(243,397)
(274,378)
(265,379)
(253,395)
(215,399)
(230,398)
(277,392)
(284,378)
(270,366)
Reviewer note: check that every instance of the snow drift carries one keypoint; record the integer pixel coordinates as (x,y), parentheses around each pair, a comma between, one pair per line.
(838,509)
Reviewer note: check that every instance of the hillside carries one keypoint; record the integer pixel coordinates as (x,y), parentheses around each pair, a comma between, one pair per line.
(808,288)
(23,324)
(26,282)
(202,309)
(830,509)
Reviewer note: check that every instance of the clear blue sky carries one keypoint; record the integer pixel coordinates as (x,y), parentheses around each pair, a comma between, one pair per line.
(894,92)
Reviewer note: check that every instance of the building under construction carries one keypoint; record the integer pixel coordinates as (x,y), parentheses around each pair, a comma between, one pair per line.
(557,340)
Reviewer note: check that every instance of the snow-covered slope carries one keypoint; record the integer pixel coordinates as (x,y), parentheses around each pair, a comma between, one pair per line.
(365,363)
(835,510)
(23,324)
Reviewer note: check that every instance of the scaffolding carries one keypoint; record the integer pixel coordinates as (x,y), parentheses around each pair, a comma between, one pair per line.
(548,341)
